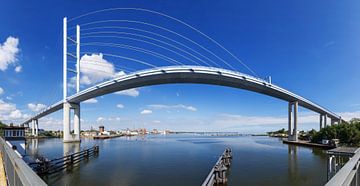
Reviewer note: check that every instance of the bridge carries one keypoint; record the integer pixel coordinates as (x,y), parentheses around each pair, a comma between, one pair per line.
(197,74)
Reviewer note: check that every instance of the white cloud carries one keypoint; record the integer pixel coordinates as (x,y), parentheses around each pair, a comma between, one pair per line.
(130,92)
(9,112)
(100,119)
(156,121)
(90,101)
(349,115)
(1,90)
(146,111)
(8,51)
(178,106)
(94,68)
(18,69)
(120,106)
(36,107)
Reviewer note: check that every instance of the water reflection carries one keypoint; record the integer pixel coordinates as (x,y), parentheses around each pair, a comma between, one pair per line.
(185,160)
(70,148)
(292,162)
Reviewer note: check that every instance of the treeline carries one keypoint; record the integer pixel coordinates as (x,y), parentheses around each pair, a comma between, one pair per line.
(348,133)
(2,124)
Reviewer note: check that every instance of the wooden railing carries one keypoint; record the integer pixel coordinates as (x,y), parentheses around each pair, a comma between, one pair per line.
(44,166)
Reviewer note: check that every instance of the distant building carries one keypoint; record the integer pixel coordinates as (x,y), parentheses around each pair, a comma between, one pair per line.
(89,133)
(102,131)
(142,131)
(101,128)
(155,131)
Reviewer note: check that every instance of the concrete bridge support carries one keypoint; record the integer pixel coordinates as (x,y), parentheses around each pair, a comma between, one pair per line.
(293,120)
(68,135)
(325,120)
(33,127)
(36,127)
(321,121)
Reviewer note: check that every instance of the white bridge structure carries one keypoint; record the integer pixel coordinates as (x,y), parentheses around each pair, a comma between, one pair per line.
(167,75)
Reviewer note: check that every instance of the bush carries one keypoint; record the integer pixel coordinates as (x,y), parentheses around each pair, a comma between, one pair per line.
(347,133)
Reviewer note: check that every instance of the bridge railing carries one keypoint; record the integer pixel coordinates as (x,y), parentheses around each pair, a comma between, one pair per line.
(349,174)
(17,172)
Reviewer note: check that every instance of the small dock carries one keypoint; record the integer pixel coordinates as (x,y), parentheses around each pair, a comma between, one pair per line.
(307,144)
(44,166)
(337,158)
(218,174)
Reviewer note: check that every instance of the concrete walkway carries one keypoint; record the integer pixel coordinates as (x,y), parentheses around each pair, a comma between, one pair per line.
(2,171)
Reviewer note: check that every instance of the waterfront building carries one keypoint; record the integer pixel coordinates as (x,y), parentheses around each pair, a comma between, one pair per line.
(101,129)
(13,132)
(155,131)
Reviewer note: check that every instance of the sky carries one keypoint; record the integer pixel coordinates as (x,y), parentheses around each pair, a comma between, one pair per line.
(310,48)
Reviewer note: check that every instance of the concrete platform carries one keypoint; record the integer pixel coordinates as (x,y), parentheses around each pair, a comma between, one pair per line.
(307,143)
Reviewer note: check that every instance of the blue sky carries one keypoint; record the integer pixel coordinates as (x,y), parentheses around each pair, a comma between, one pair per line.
(310,48)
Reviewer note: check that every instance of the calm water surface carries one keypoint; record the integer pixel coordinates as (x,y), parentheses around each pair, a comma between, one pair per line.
(185,159)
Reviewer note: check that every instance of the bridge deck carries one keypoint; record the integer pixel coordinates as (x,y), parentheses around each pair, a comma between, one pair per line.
(187,74)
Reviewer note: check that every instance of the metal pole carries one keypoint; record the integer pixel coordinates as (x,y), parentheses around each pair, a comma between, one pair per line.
(77,58)
(64,59)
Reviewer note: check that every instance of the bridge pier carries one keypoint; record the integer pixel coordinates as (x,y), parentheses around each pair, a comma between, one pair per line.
(332,121)
(68,136)
(36,127)
(321,121)
(325,120)
(292,133)
(33,127)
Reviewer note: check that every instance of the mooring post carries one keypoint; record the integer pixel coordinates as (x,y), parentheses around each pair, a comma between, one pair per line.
(220,173)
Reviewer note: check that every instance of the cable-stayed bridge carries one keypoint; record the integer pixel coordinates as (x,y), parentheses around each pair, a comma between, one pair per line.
(202,66)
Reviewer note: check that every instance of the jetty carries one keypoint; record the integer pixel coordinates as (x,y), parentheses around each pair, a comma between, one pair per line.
(218,174)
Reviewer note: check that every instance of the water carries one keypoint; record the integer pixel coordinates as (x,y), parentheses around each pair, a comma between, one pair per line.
(181,159)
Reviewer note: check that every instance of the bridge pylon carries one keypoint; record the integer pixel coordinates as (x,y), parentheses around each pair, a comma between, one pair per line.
(68,135)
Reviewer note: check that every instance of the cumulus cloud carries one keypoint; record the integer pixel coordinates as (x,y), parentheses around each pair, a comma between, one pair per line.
(18,69)
(36,107)
(349,115)
(146,111)
(8,51)
(130,92)
(100,119)
(178,106)
(1,91)
(120,106)
(94,68)
(90,101)
(9,112)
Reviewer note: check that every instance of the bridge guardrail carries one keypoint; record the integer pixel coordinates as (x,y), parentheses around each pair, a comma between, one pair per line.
(349,174)
(17,172)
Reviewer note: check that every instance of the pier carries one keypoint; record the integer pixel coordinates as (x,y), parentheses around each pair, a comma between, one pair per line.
(218,174)
(45,166)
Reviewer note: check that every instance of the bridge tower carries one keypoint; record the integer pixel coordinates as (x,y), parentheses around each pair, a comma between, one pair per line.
(68,135)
